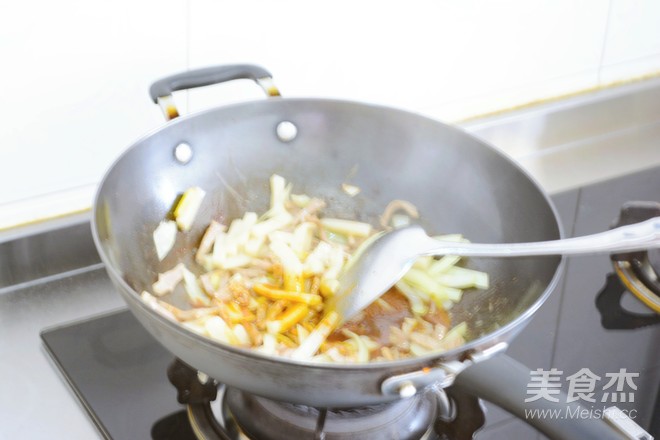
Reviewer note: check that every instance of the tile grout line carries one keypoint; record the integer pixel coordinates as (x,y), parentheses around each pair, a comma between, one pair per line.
(604,45)
(188,45)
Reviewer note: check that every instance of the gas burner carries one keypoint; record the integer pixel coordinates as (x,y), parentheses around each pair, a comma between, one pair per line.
(636,272)
(639,270)
(236,415)
(260,418)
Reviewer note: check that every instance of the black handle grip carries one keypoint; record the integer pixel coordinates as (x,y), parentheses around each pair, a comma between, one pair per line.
(205,77)
(504,382)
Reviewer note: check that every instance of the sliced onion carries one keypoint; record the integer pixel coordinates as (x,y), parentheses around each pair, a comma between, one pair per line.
(186,210)
(351,190)
(164,238)
(347,227)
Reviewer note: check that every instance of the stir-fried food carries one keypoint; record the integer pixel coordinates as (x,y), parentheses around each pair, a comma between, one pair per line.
(265,282)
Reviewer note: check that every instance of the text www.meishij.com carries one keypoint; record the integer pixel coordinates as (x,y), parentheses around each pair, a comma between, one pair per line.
(571,413)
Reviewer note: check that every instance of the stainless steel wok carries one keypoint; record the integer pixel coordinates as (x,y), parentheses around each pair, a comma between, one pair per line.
(459,184)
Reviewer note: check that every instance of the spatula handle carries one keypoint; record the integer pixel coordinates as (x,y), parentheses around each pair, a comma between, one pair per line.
(635,237)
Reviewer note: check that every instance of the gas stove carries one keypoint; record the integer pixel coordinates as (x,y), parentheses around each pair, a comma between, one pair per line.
(133,388)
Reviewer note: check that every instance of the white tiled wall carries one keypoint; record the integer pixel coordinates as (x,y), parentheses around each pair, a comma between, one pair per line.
(632,44)
(75,73)
(73,94)
(447,59)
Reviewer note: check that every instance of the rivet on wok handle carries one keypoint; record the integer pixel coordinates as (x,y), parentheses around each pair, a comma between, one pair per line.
(442,376)
(161,90)
(286,131)
(408,384)
(183,153)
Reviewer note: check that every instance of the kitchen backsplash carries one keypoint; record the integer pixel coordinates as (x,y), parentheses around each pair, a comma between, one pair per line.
(75,73)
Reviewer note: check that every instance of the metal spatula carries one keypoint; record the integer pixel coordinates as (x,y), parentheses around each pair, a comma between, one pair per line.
(387,258)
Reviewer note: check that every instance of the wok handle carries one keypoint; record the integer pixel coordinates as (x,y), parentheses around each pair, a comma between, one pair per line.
(504,382)
(161,90)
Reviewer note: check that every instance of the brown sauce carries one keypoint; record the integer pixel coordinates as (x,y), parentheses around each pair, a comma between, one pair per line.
(375,321)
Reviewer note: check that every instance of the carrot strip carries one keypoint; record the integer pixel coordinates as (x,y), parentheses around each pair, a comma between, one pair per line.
(289,318)
(299,297)
(294,283)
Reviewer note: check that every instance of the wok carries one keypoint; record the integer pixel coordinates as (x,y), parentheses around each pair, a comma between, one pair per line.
(459,184)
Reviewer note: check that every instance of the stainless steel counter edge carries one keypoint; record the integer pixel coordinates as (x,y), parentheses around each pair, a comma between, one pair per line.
(48,254)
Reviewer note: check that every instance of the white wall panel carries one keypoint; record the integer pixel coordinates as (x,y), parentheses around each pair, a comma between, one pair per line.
(75,73)
(426,56)
(74,86)
(632,45)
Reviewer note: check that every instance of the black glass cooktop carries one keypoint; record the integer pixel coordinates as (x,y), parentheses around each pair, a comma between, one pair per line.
(119,373)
